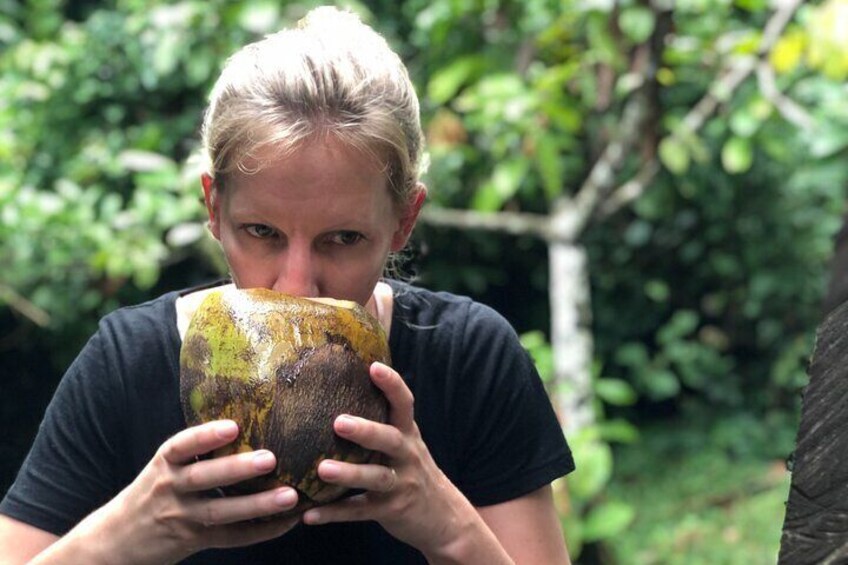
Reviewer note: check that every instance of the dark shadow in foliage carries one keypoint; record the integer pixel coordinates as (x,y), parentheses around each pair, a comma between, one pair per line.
(837,290)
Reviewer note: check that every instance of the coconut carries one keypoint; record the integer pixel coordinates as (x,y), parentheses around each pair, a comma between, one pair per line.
(283,368)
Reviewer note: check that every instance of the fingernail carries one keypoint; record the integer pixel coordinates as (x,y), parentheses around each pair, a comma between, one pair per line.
(264,460)
(312,517)
(285,497)
(345,424)
(226,429)
(330,469)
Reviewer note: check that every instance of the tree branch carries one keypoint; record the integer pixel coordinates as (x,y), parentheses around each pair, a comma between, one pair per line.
(601,179)
(515,223)
(630,190)
(23,306)
(792,112)
(725,86)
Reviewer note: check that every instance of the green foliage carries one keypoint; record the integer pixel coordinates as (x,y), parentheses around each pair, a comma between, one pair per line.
(818,42)
(699,502)
(591,516)
(99,118)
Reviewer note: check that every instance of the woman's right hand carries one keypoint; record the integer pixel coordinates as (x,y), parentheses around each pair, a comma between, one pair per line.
(164,515)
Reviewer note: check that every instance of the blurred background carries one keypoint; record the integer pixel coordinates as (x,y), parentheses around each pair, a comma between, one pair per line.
(650,191)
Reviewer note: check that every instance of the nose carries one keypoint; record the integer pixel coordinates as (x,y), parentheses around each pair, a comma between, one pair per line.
(297,272)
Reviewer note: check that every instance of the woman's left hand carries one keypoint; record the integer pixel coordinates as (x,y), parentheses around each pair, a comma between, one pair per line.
(408,495)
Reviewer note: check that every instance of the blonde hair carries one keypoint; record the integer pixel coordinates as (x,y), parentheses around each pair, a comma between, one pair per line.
(331,75)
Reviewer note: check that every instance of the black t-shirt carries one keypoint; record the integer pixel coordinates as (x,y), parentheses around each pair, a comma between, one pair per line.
(479,404)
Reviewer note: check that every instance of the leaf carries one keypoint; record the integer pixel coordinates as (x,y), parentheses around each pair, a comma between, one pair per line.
(503,184)
(185,234)
(540,351)
(259,17)
(486,199)
(607,520)
(615,391)
(666,76)
(751,5)
(618,430)
(555,78)
(638,233)
(601,42)
(830,139)
(681,324)
(657,290)
(637,23)
(787,52)
(674,155)
(827,48)
(447,81)
(737,155)
(572,527)
(656,204)
(594,459)
(144,161)
(549,163)
(744,122)
(8,31)
(562,116)
(166,55)
(632,355)
(660,384)
(499,96)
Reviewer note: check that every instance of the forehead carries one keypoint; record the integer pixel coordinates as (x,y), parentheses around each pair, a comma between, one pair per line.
(325,174)
(315,157)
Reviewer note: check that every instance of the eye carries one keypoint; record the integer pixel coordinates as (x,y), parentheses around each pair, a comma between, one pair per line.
(346,238)
(260,231)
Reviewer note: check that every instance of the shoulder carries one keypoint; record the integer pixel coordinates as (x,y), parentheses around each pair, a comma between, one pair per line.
(426,307)
(152,310)
(154,317)
(451,333)
(138,324)
(142,335)
(414,299)
(129,342)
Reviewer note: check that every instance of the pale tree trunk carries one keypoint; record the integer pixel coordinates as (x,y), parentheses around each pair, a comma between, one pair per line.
(571,336)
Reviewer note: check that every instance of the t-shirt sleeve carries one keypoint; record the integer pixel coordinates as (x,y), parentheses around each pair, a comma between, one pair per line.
(70,469)
(513,442)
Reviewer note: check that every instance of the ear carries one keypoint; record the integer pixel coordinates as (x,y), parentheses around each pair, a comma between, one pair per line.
(409,217)
(213,205)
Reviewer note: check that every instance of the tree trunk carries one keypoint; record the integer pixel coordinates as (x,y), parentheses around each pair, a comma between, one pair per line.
(815,529)
(571,337)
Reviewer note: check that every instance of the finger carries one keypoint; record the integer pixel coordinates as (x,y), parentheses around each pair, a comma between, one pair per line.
(232,509)
(374,478)
(223,471)
(198,440)
(354,509)
(371,435)
(237,535)
(400,398)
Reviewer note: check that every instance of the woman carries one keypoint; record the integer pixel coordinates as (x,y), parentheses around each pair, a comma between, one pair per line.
(314,147)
